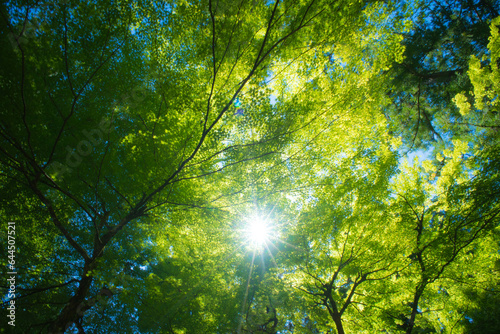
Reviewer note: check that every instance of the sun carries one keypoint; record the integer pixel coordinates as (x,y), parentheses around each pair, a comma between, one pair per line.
(258,232)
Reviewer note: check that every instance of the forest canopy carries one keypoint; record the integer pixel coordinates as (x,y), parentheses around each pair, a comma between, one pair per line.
(247,166)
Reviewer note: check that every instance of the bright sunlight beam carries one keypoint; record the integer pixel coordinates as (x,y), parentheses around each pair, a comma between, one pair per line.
(258,232)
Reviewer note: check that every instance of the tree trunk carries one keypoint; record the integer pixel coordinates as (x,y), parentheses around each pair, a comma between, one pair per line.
(334,311)
(338,324)
(416,298)
(75,307)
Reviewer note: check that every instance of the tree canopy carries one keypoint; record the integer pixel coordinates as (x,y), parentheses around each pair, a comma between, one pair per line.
(250,166)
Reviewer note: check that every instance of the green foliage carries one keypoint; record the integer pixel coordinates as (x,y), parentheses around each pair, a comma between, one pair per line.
(139,138)
(444,36)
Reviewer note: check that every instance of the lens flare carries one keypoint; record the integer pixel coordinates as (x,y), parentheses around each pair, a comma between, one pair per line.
(258,232)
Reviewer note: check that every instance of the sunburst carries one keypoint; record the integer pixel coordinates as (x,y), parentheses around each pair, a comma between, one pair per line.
(258,232)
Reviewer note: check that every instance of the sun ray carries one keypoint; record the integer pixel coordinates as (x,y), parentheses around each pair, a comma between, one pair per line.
(293,246)
(271,255)
(246,294)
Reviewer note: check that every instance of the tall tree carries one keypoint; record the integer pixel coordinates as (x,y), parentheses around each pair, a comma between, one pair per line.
(444,36)
(139,140)
(116,113)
